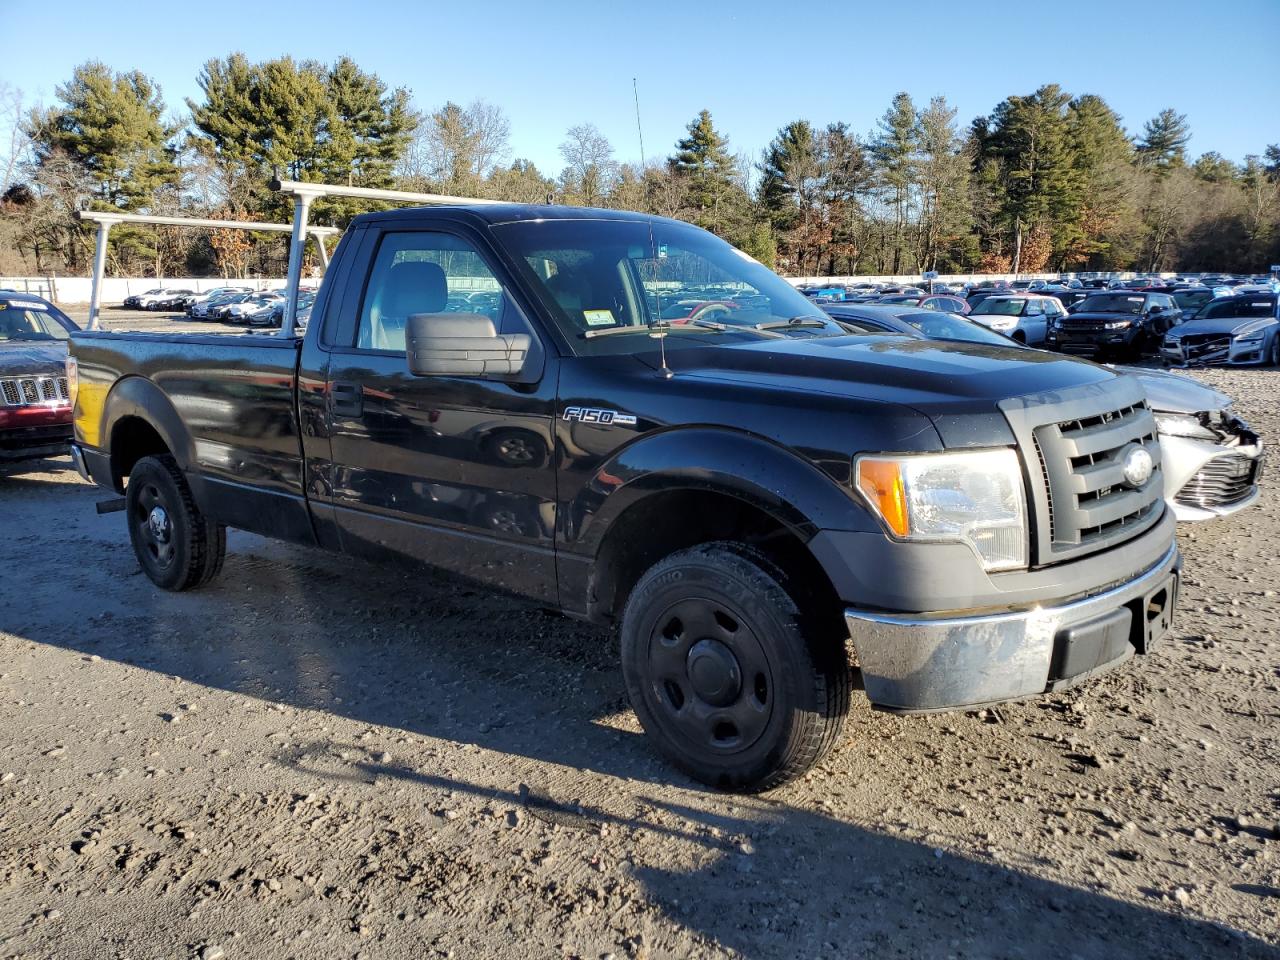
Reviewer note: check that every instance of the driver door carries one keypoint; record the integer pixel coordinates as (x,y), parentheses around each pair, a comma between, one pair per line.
(454,471)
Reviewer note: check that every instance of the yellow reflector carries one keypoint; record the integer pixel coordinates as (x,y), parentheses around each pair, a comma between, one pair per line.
(73,379)
(881,482)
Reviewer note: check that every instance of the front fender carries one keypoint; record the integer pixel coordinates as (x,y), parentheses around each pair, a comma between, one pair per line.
(751,468)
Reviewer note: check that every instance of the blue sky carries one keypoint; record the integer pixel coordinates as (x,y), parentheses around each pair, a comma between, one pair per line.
(755,65)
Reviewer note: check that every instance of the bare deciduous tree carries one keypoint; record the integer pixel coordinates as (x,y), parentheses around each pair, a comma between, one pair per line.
(590,172)
(457,149)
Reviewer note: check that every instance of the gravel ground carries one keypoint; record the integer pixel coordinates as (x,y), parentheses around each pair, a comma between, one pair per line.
(316,757)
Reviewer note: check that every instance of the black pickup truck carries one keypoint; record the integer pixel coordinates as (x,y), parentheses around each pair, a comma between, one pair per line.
(742,491)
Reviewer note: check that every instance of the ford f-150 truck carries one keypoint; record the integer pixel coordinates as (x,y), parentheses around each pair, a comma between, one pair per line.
(750,499)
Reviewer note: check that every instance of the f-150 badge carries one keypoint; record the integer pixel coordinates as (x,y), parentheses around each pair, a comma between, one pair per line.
(598,415)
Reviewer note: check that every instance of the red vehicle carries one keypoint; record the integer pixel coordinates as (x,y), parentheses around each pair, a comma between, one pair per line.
(686,311)
(35,404)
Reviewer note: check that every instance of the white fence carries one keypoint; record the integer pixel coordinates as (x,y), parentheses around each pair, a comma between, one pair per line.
(115,289)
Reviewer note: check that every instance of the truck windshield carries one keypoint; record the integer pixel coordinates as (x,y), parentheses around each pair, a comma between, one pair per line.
(601,275)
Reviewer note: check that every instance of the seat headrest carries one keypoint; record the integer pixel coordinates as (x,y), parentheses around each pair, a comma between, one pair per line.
(414,286)
(572,291)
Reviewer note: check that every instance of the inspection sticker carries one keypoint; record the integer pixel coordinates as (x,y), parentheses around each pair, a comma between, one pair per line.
(599,318)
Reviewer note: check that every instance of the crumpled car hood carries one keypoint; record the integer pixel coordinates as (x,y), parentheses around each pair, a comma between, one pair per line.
(1175,393)
(1236,326)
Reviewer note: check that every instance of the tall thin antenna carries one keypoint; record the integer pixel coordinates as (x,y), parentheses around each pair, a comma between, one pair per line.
(639,129)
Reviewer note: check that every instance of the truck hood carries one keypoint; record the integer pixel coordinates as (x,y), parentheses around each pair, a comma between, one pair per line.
(1236,326)
(956,385)
(24,358)
(1174,393)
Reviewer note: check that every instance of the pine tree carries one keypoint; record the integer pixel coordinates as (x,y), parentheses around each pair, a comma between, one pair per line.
(1213,167)
(942,169)
(894,149)
(1164,140)
(112,126)
(790,190)
(303,121)
(1029,136)
(703,159)
(845,178)
(1100,197)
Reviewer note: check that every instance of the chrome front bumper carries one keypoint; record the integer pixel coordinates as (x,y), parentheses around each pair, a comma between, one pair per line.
(915,663)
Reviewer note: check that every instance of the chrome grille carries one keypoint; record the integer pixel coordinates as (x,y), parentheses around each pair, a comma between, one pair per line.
(1091,501)
(29,391)
(1221,482)
(1076,443)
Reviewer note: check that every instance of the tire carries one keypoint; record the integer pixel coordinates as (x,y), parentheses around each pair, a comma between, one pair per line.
(772,691)
(1273,357)
(177,547)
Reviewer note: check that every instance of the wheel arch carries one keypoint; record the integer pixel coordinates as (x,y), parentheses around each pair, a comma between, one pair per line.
(688,487)
(140,420)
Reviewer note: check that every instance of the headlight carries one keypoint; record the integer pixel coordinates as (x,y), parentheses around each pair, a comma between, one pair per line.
(1002,323)
(1182,425)
(1117,324)
(974,498)
(1251,340)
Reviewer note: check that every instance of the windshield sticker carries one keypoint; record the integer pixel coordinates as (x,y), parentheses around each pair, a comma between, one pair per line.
(599,318)
(1134,299)
(23,305)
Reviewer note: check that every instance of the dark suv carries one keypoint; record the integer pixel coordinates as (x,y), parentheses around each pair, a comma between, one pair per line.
(1127,323)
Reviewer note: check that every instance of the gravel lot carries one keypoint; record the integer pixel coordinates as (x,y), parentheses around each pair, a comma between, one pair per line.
(316,757)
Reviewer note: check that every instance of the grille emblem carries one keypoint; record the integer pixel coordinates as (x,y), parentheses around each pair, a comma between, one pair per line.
(1138,467)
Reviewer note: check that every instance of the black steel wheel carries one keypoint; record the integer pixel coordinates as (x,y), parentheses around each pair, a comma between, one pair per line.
(733,682)
(177,547)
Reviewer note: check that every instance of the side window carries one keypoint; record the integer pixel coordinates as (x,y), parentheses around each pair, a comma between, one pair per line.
(427,272)
(1035,308)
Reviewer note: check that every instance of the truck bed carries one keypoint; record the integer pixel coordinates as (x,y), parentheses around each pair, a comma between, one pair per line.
(231,401)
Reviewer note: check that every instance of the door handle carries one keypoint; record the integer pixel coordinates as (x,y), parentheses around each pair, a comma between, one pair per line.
(346,399)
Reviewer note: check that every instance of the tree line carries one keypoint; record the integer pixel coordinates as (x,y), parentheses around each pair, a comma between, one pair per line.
(1046,182)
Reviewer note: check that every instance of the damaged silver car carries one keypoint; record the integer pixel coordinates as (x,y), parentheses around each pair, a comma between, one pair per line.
(1212,461)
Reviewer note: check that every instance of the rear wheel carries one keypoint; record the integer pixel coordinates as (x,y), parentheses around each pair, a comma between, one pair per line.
(1273,355)
(736,685)
(176,545)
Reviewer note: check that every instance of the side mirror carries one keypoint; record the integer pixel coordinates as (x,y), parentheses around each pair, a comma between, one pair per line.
(1156,309)
(462,345)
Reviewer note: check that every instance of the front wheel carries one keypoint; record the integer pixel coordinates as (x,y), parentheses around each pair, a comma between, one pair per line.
(735,684)
(176,545)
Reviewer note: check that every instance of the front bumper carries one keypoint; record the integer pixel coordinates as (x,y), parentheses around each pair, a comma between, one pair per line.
(1205,479)
(34,443)
(1090,342)
(1205,351)
(916,663)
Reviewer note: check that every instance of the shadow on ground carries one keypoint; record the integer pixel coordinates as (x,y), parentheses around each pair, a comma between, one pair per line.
(399,647)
